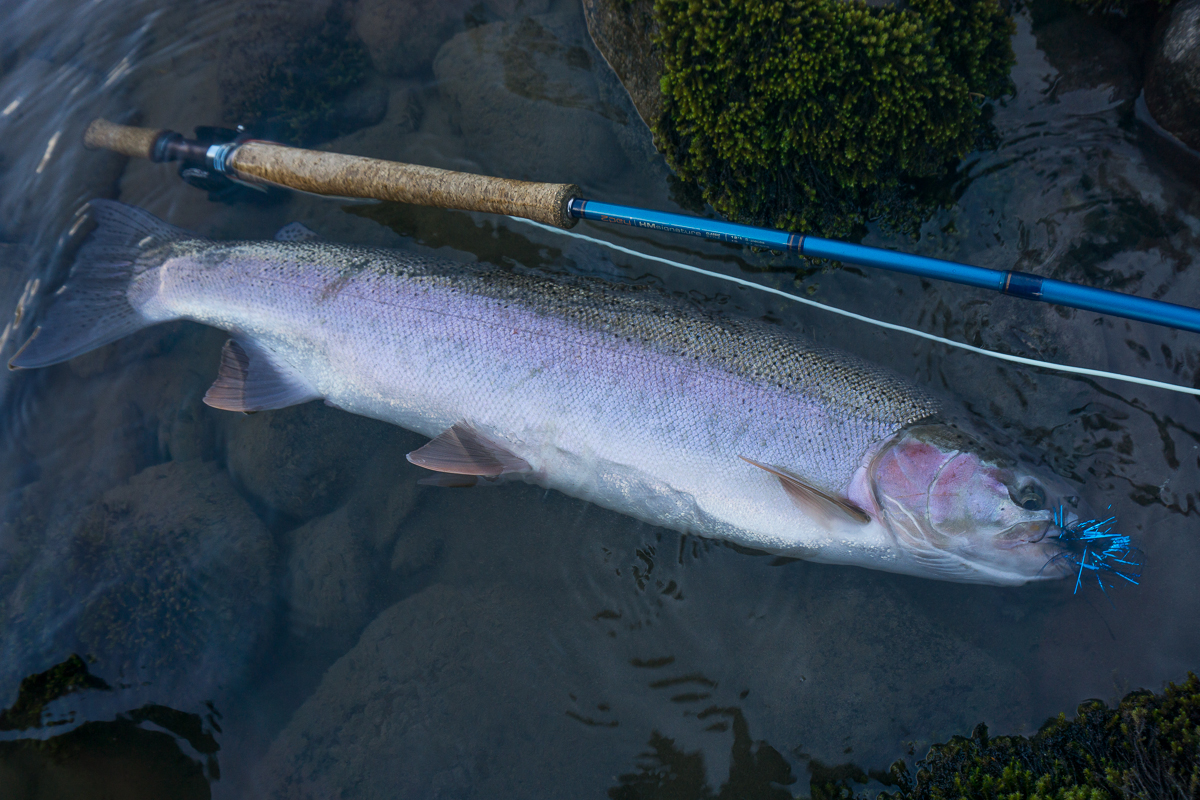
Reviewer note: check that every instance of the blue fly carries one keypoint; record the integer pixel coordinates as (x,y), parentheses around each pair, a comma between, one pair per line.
(1094,548)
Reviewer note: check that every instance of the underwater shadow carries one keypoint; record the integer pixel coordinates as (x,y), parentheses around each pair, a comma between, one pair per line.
(136,754)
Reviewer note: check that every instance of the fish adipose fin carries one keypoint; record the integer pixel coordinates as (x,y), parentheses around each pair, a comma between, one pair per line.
(254,378)
(462,450)
(296,232)
(812,500)
(93,308)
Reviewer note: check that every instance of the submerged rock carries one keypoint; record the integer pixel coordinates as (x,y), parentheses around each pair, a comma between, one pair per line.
(549,639)
(517,87)
(342,487)
(296,73)
(328,576)
(623,31)
(399,716)
(403,38)
(1088,56)
(300,461)
(164,580)
(1173,74)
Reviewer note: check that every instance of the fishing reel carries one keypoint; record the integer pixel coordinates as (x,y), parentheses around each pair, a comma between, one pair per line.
(201,160)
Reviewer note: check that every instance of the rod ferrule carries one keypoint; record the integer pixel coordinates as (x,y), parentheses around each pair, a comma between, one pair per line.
(1022,284)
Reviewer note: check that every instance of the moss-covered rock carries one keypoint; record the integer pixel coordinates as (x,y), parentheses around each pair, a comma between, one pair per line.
(810,114)
(820,114)
(1147,747)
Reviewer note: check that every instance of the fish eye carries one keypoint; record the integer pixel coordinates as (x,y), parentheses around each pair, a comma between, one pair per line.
(1030,496)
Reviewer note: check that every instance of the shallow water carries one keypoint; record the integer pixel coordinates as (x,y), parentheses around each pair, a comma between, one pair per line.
(340,631)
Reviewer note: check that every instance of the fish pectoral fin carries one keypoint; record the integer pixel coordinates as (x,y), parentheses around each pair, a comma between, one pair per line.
(254,378)
(811,499)
(462,450)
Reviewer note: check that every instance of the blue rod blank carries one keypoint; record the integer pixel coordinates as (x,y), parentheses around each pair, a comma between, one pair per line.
(1012,282)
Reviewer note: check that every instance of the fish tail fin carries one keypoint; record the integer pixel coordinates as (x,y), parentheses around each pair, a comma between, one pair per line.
(93,308)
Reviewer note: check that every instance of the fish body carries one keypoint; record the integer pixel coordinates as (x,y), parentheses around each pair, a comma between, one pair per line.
(627,397)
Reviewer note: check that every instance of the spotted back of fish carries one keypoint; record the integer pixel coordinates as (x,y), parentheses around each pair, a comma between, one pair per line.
(752,350)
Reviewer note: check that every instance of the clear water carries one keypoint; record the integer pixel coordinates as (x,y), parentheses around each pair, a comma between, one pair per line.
(339,631)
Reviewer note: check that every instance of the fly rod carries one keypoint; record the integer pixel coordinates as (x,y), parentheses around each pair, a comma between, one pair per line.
(228,156)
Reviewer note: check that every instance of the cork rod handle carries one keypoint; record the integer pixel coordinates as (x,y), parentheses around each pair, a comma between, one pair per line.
(341,175)
(135,142)
(354,176)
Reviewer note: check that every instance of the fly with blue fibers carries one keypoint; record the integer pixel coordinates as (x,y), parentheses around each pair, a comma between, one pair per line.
(1092,547)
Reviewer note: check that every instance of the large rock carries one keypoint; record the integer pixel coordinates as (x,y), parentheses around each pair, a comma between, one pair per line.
(1087,56)
(517,87)
(337,564)
(623,32)
(403,38)
(407,712)
(389,717)
(300,461)
(165,582)
(551,640)
(328,576)
(1173,76)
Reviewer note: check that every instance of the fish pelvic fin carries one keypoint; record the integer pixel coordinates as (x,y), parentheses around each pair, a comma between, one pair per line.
(812,500)
(462,450)
(93,308)
(253,377)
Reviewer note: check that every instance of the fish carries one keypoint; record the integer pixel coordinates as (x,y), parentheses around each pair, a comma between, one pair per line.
(626,396)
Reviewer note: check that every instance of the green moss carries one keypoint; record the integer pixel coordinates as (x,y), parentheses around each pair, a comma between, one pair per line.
(822,114)
(1147,747)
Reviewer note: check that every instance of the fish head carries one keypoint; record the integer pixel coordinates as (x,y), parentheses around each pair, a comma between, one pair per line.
(966,512)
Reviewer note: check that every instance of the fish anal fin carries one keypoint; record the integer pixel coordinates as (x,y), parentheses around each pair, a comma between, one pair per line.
(461,450)
(254,378)
(811,499)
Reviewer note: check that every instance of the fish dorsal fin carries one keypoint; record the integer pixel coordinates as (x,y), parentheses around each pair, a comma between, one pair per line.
(296,232)
(811,499)
(462,450)
(254,378)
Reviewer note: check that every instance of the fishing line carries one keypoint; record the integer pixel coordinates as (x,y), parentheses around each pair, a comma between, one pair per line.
(891,326)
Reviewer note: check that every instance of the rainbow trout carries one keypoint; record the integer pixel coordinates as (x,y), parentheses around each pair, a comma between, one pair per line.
(624,396)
